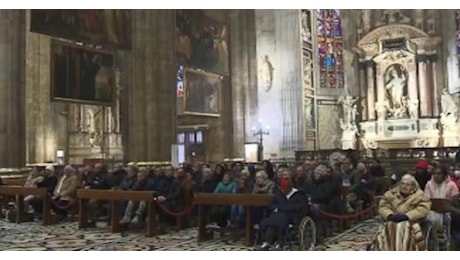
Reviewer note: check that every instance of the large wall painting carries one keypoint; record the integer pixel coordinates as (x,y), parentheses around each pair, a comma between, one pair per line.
(202,93)
(202,40)
(100,27)
(81,74)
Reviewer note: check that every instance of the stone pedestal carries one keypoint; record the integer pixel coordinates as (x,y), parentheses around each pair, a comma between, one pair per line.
(12,88)
(151,109)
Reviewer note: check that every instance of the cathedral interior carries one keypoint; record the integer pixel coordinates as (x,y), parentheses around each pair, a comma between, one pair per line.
(204,80)
(206,85)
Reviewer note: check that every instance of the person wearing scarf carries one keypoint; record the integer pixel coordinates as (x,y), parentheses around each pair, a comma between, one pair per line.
(285,208)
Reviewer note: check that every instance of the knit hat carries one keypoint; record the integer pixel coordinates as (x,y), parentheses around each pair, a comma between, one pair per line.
(422,164)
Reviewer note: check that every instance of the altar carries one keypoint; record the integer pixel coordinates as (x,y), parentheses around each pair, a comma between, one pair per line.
(400,104)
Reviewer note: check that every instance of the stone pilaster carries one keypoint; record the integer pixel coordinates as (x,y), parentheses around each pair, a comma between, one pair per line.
(152,116)
(12,88)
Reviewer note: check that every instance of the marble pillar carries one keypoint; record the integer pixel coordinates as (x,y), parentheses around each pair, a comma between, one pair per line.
(370,91)
(244,77)
(424,90)
(363,93)
(12,88)
(151,104)
(436,95)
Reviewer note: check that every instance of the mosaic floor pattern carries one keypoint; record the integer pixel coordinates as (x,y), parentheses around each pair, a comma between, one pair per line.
(67,237)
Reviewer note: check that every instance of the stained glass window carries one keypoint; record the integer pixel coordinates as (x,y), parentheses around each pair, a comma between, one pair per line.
(180,81)
(330,48)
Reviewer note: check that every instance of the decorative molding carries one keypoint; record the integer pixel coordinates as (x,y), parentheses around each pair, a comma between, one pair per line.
(391,32)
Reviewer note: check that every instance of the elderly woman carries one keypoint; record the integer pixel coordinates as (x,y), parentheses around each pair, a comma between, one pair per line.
(401,208)
(263,185)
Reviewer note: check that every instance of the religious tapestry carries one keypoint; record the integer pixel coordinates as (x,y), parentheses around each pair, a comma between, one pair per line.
(202,40)
(99,27)
(202,93)
(330,48)
(81,74)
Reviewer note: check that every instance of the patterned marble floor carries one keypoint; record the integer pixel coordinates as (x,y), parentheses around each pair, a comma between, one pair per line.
(67,237)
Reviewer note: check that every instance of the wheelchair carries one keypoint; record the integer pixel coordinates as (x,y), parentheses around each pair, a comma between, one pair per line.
(303,232)
(442,241)
(426,227)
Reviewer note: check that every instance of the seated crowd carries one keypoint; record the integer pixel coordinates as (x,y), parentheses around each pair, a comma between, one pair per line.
(341,186)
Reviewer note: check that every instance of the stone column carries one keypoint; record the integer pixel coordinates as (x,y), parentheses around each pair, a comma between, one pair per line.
(370,90)
(244,77)
(435,90)
(151,104)
(412,84)
(363,93)
(12,88)
(425,95)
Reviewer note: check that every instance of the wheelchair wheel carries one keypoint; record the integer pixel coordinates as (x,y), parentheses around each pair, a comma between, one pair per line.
(307,234)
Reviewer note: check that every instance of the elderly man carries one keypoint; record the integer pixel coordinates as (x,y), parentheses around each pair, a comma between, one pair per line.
(401,208)
(65,192)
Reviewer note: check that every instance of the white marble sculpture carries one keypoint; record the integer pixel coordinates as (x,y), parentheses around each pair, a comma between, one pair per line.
(381,108)
(395,84)
(349,110)
(348,121)
(413,108)
(266,73)
(449,107)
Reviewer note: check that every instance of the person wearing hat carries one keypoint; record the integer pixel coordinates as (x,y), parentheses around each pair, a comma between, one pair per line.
(326,190)
(423,173)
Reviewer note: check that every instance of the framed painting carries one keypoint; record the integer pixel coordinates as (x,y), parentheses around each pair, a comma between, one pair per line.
(108,27)
(202,93)
(81,74)
(202,40)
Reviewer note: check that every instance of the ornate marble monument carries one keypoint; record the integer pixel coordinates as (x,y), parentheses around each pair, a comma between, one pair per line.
(398,61)
(95,130)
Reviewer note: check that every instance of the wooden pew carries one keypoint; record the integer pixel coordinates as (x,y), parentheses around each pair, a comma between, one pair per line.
(20,193)
(212,199)
(115,196)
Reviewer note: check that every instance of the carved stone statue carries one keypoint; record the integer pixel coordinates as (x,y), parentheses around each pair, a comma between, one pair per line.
(395,84)
(431,22)
(306,29)
(418,17)
(413,108)
(266,74)
(393,16)
(449,107)
(381,109)
(349,110)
